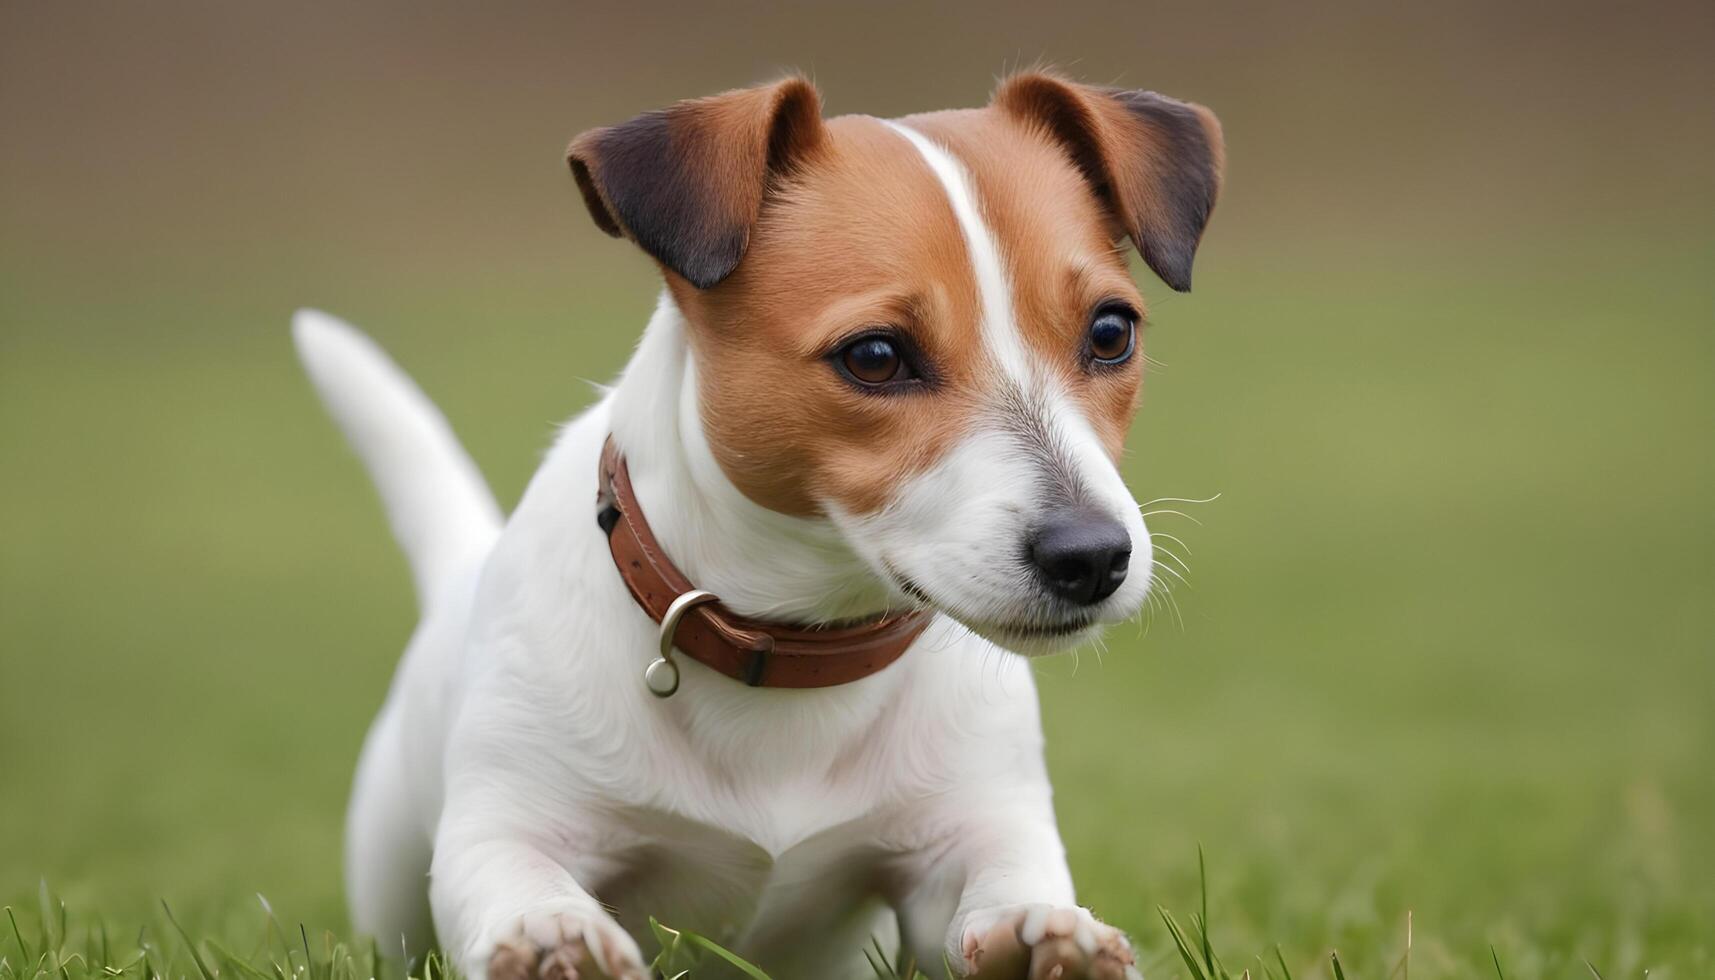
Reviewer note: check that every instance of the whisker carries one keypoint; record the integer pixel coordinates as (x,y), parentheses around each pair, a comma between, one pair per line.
(1171,537)
(1181,500)
(1175,557)
(1168,602)
(1174,603)
(1157,584)
(1177,513)
(1164,594)
(1169,569)
(1098,646)
(1152,608)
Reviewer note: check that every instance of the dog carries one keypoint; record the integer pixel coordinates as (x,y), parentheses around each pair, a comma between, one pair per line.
(742,658)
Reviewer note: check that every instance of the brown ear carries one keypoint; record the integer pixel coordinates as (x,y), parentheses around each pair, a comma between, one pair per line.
(686,182)
(1154,162)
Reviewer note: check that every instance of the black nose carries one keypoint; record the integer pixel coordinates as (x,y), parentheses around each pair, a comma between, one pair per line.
(1081,556)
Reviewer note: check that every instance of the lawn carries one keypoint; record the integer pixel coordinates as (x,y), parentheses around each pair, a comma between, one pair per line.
(1447,653)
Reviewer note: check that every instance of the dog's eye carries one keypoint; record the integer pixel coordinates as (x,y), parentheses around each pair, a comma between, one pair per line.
(874,361)
(1113,335)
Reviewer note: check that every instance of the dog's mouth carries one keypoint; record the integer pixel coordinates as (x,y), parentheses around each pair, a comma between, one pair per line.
(1037,631)
(1023,636)
(1035,639)
(904,583)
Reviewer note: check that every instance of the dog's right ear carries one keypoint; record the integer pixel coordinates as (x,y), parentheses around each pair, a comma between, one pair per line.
(686,182)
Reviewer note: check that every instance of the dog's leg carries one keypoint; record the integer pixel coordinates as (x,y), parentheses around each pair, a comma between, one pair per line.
(508,910)
(1014,918)
(387,847)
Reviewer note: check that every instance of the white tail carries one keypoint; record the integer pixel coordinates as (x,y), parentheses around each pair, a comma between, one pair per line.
(442,511)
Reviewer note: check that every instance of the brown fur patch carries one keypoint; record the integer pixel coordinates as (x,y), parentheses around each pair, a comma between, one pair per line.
(1156,163)
(861,236)
(687,182)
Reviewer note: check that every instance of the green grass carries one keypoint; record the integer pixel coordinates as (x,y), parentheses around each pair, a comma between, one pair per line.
(55,946)
(1447,658)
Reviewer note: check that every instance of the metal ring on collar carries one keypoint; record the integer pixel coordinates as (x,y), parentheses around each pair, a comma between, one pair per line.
(662,675)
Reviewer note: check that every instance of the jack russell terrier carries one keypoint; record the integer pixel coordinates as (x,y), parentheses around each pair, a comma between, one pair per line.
(738,659)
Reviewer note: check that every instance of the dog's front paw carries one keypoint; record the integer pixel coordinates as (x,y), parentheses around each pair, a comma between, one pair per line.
(1043,942)
(578,944)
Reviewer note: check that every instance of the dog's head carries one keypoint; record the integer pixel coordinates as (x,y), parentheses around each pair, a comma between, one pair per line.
(925,330)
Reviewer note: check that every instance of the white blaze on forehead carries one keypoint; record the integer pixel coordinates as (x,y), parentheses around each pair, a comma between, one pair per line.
(1082,457)
(956,532)
(1000,329)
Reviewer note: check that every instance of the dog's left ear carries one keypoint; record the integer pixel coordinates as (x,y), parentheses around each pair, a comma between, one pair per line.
(1154,162)
(687,182)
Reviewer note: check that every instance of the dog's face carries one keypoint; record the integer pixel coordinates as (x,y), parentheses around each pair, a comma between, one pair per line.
(925,331)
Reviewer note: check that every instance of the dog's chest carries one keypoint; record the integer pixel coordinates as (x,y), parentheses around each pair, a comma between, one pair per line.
(743,888)
(774,819)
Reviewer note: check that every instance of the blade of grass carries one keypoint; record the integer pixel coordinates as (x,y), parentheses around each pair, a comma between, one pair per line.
(235,963)
(1203,924)
(669,942)
(196,955)
(1184,946)
(18,934)
(876,966)
(1407,974)
(677,936)
(1402,968)
(744,966)
(44,908)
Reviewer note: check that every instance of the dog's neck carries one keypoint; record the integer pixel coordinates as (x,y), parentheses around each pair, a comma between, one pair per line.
(760,562)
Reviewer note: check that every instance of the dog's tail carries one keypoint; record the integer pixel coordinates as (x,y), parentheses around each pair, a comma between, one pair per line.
(442,511)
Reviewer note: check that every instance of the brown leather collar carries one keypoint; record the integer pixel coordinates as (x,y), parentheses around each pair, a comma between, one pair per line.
(758,653)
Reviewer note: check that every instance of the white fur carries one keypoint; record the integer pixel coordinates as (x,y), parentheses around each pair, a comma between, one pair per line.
(520,762)
(441,510)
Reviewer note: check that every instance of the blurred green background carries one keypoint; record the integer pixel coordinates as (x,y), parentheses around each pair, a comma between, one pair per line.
(1450,366)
